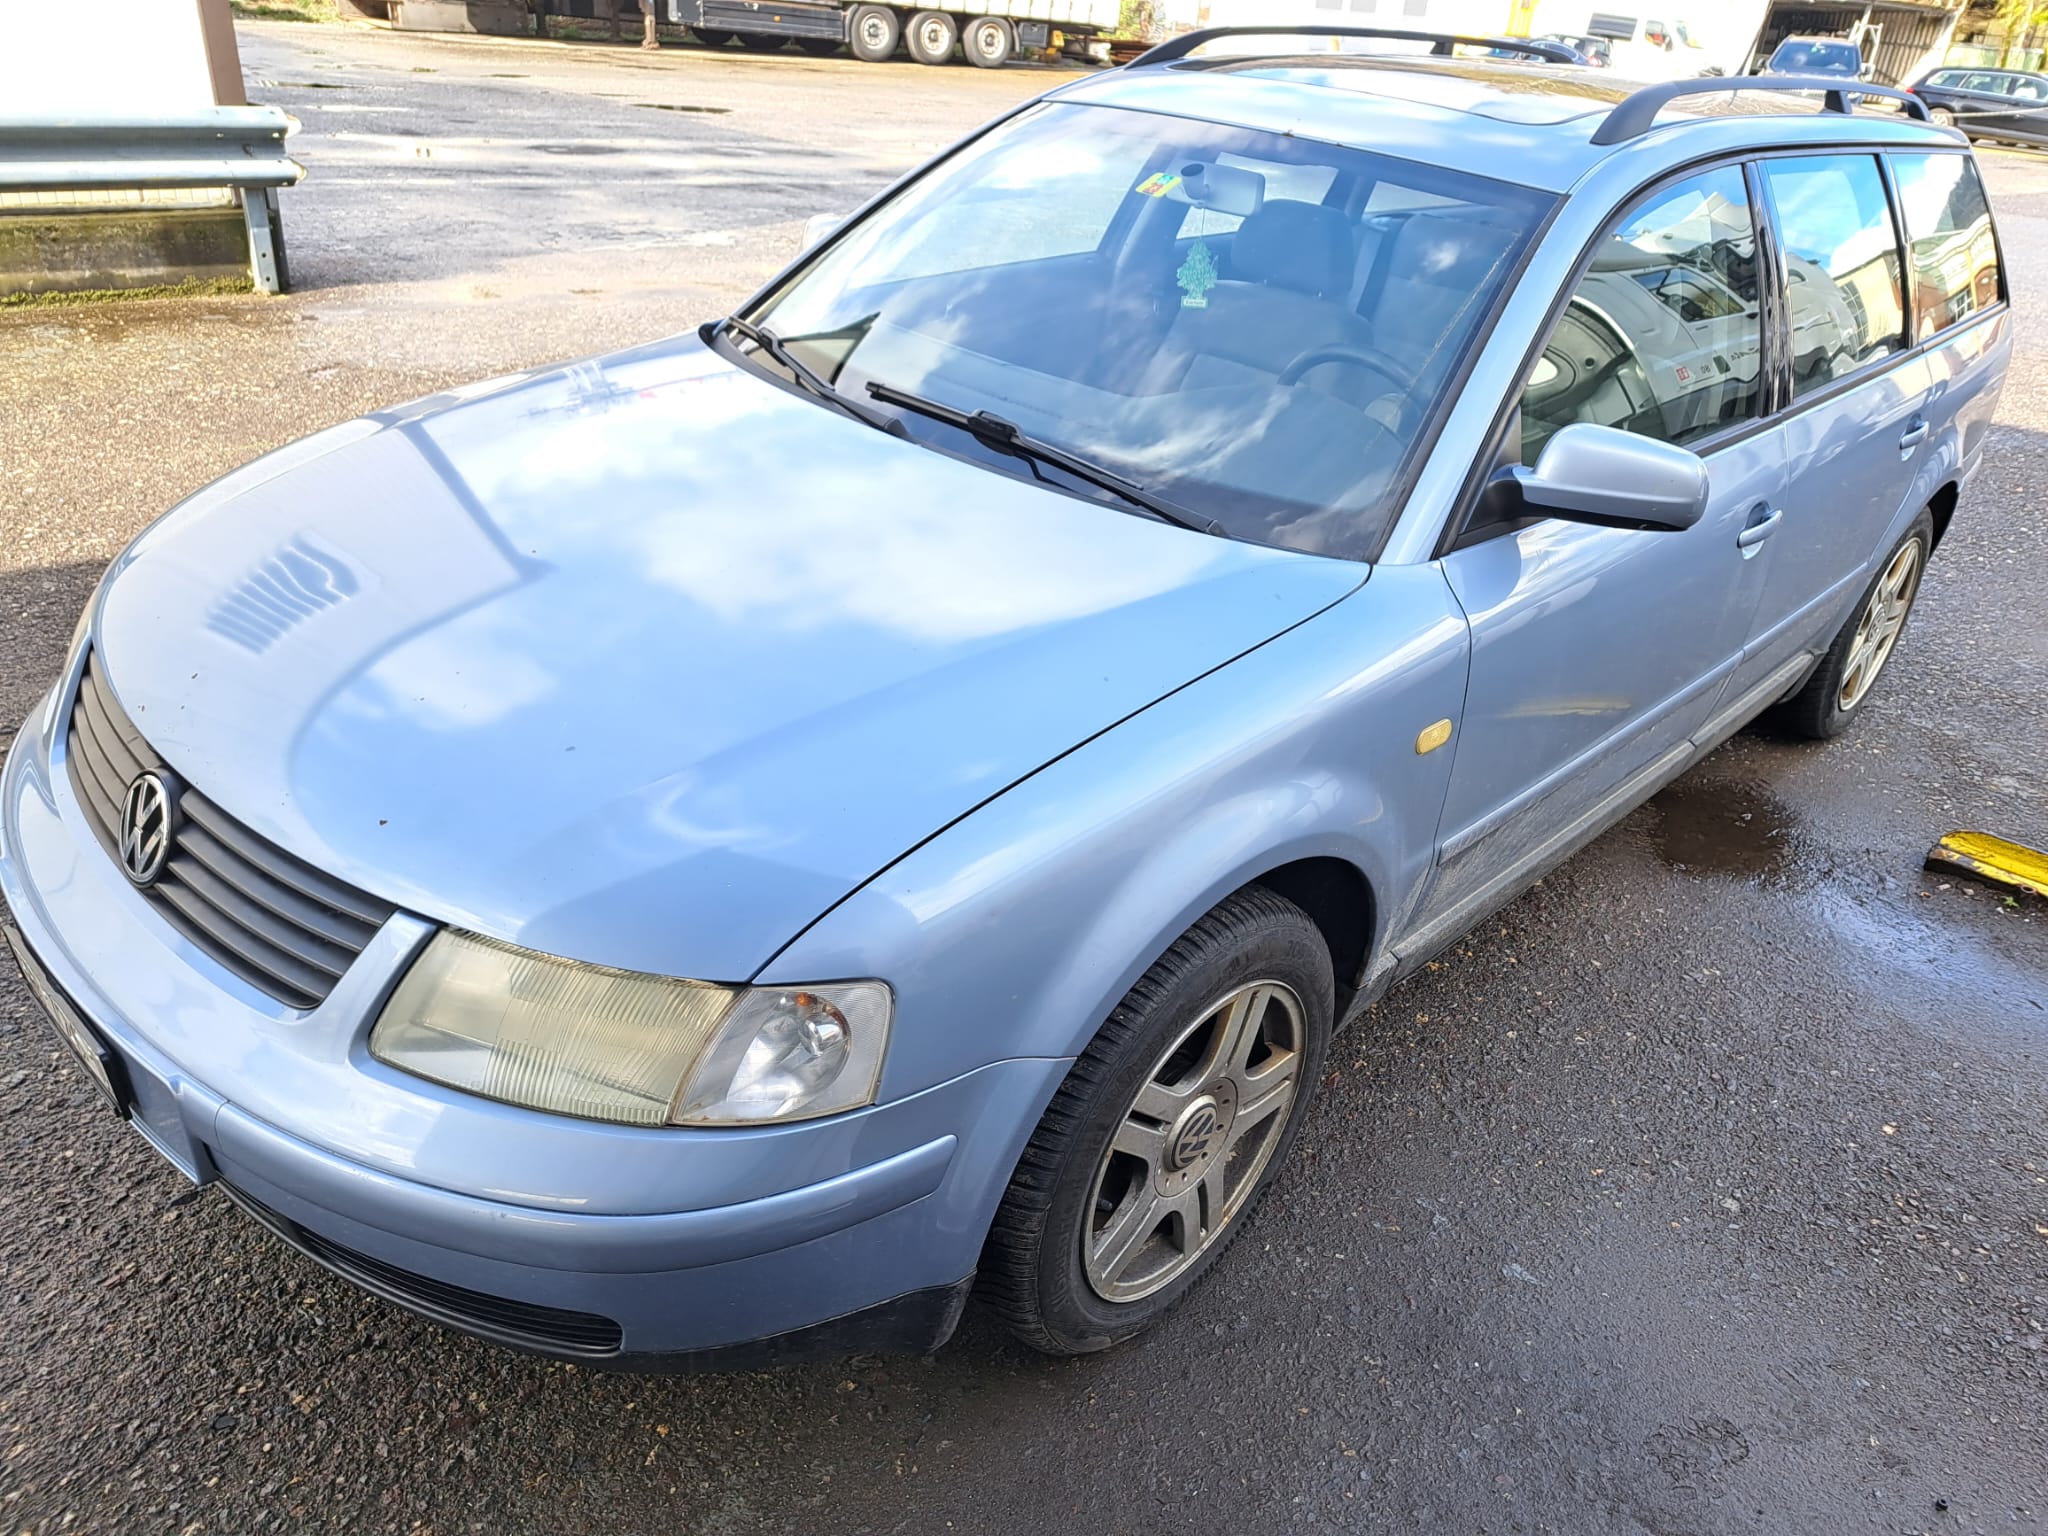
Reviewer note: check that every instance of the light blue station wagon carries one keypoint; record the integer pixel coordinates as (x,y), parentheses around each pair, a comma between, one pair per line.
(705,855)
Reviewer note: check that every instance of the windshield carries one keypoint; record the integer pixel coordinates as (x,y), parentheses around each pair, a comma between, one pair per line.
(1806,57)
(1258,329)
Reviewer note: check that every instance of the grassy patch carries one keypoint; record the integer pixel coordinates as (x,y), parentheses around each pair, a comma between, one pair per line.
(286,10)
(191,288)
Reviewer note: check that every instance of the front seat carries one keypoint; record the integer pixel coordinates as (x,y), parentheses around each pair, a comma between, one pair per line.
(1290,267)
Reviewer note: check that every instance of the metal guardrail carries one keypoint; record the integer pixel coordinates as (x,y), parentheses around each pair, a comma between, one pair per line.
(235,147)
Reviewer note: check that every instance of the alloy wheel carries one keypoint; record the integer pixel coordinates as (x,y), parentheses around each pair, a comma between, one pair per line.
(1191,1147)
(1883,617)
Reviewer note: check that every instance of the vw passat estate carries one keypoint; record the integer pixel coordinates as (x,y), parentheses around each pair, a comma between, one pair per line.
(710,853)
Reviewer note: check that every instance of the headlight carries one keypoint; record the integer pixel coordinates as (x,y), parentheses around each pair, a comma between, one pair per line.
(552,1034)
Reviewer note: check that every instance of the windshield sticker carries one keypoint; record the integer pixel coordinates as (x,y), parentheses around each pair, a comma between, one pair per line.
(1157,185)
(1197,276)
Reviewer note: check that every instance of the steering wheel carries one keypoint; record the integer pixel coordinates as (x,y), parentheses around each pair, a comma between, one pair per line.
(1384,363)
(1338,352)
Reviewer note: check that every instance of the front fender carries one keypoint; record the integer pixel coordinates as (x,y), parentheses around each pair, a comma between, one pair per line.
(1015,931)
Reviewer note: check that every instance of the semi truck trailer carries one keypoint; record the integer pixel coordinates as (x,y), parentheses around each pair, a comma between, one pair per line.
(989,34)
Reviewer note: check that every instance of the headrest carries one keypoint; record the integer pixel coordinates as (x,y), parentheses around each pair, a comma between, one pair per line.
(1302,246)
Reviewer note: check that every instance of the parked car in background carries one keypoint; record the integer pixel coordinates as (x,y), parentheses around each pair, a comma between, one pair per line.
(1598,52)
(1816,56)
(705,854)
(1988,103)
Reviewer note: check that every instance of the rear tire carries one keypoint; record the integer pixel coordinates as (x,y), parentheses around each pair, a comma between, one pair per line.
(818,47)
(1166,1131)
(872,32)
(1941,117)
(931,37)
(1830,699)
(761,42)
(989,42)
(714,39)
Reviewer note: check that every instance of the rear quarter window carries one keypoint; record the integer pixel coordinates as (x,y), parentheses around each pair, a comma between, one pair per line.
(1952,249)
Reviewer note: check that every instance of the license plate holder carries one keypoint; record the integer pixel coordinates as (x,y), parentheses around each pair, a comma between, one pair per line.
(103,1068)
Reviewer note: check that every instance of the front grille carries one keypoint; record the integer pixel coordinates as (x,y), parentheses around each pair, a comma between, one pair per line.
(521,1324)
(274,920)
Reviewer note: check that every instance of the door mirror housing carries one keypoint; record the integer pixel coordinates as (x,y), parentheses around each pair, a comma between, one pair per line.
(1617,479)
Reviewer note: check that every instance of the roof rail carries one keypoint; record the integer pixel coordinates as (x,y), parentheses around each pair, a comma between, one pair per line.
(1635,116)
(1180,47)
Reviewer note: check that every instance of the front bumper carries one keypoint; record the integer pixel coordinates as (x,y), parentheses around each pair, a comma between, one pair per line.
(604,1243)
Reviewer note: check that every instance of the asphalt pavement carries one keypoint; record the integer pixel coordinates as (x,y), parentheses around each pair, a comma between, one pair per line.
(1703,1190)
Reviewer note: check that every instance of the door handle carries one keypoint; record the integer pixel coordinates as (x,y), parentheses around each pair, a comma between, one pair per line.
(1762,524)
(1914,435)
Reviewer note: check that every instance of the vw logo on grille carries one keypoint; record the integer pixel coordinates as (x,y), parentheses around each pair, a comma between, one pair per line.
(147,819)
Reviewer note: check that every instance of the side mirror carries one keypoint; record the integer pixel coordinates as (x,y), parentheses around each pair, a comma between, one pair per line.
(819,228)
(1603,475)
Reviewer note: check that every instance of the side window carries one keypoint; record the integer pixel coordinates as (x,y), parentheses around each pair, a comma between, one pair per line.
(1662,335)
(1948,230)
(2025,88)
(1843,303)
(1946,77)
(1988,84)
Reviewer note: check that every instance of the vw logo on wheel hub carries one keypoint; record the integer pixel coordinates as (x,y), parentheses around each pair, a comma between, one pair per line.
(147,820)
(1196,1138)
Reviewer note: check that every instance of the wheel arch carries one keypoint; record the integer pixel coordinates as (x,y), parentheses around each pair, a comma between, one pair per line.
(1338,899)
(1942,504)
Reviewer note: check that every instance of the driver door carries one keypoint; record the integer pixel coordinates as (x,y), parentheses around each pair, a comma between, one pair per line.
(1599,654)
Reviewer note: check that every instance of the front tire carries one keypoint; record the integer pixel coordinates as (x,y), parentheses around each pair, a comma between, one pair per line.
(931,36)
(1829,699)
(1166,1131)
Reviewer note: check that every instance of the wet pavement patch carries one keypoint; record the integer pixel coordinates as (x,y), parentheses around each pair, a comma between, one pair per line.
(666,106)
(1716,828)
(578,149)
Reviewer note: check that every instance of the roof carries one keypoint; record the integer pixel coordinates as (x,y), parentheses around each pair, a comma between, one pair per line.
(1473,115)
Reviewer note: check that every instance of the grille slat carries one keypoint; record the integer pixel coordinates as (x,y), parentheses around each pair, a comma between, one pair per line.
(225,865)
(283,867)
(249,957)
(287,938)
(272,919)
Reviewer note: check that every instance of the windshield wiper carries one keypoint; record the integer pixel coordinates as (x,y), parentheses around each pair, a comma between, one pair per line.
(1007,437)
(775,347)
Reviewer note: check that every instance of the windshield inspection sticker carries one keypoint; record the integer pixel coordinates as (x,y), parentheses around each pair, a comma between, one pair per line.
(1197,276)
(1157,185)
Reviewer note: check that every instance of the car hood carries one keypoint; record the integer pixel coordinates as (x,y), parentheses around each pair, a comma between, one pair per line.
(648,661)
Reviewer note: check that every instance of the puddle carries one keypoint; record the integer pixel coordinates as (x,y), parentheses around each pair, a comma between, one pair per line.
(1717,828)
(577,149)
(504,77)
(663,106)
(311,85)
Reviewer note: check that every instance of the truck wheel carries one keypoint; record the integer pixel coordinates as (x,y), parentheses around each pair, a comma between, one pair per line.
(761,42)
(713,39)
(873,33)
(931,35)
(818,47)
(990,41)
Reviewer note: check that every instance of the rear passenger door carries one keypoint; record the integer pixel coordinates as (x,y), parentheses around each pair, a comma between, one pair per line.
(1958,300)
(1857,420)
